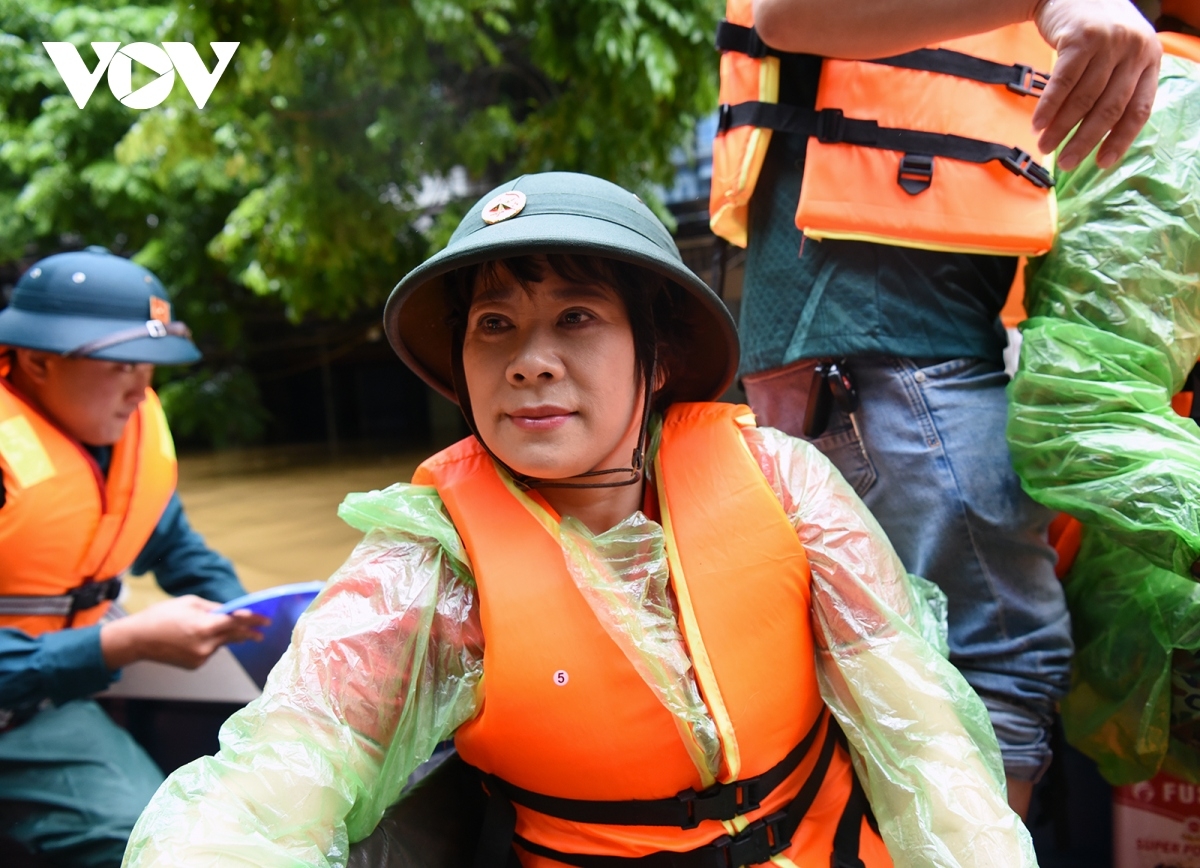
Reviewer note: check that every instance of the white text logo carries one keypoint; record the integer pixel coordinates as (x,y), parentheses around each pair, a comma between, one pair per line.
(172,57)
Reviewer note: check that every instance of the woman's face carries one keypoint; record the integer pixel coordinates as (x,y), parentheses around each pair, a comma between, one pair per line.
(551,373)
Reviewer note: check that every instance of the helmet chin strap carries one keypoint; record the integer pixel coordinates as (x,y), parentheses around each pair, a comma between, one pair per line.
(631,475)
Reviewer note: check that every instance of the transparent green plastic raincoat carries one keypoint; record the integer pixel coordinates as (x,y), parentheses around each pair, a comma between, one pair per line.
(1114,330)
(388,662)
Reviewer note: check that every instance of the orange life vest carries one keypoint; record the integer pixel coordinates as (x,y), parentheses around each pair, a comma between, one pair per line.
(566,722)
(62,524)
(1181,45)
(931,149)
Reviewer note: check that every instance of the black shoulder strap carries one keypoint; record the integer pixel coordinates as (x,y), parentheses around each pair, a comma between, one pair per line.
(1016,77)
(494,849)
(743,40)
(848,836)
(832,126)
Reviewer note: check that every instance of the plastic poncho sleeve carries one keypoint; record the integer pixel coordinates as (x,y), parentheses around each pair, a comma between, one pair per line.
(384,665)
(1114,329)
(923,745)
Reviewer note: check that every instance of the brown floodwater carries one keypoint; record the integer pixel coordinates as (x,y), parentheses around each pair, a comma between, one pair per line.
(273,512)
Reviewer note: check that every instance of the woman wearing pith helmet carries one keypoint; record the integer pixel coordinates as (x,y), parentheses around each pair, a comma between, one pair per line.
(659,632)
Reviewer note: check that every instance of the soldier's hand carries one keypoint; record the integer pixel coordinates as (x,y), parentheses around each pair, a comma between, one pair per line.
(183,632)
(1105,78)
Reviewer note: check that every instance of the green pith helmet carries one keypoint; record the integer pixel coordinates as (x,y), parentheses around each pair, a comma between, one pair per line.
(92,304)
(559,212)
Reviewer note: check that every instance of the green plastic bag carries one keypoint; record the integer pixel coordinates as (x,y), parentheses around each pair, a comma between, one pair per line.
(1114,330)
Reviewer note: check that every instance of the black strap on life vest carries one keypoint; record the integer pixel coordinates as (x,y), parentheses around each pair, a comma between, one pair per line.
(78,599)
(755,844)
(1017,77)
(685,810)
(831,126)
(918,147)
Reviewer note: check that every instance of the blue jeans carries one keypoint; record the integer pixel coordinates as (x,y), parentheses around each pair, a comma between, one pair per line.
(930,460)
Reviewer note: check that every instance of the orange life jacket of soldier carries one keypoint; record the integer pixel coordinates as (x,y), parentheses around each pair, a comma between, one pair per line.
(931,149)
(569,730)
(63,524)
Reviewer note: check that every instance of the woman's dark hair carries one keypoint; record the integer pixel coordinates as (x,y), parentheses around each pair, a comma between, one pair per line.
(655,305)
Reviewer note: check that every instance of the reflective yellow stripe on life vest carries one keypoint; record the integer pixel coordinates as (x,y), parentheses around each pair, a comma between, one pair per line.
(63,522)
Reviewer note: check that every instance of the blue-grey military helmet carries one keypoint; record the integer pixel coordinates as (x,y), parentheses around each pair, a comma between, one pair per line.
(93,304)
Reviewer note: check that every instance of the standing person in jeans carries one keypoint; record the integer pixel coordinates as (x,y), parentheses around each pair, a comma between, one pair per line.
(916,334)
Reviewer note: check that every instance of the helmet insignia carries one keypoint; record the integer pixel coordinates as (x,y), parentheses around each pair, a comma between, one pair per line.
(504,206)
(160,310)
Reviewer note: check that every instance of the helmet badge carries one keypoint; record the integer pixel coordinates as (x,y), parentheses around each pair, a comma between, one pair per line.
(503,206)
(160,310)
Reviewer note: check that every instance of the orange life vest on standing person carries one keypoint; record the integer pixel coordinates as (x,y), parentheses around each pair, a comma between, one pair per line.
(1181,45)
(570,732)
(931,149)
(62,524)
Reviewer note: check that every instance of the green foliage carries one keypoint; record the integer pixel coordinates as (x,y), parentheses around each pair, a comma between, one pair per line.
(301,180)
(221,408)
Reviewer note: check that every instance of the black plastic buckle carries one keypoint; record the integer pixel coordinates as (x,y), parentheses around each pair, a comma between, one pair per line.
(93,594)
(1021,163)
(718,802)
(755,844)
(1028,81)
(724,116)
(916,173)
(831,125)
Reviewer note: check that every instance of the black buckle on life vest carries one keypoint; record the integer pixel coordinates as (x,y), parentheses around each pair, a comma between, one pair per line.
(754,845)
(724,116)
(719,802)
(1021,163)
(916,173)
(1027,81)
(831,126)
(92,594)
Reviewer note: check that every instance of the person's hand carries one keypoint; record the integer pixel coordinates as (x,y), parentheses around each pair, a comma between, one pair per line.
(183,632)
(1105,78)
